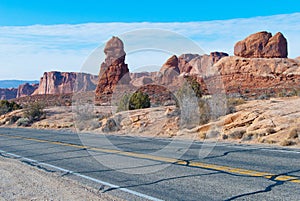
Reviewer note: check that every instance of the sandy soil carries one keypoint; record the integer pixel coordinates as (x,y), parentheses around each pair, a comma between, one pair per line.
(19,181)
(275,121)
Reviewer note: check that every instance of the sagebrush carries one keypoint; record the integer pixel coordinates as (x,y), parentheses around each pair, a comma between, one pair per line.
(35,111)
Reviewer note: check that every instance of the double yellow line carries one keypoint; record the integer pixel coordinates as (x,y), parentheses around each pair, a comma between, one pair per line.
(225,169)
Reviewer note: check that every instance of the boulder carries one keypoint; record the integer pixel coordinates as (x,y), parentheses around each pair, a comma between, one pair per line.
(262,45)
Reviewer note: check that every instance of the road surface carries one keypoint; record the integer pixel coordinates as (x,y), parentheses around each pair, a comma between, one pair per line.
(137,168)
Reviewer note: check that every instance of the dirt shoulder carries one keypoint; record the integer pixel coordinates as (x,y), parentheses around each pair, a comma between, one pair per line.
(22,182)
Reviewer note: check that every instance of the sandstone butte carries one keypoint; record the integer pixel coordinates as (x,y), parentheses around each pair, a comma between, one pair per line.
(65,82)
(26,89)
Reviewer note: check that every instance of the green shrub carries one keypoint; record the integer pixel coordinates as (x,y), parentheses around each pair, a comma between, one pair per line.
(35,112)
(137,100)
(7,106)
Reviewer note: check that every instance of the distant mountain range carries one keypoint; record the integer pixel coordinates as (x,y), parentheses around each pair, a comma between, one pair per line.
(15,83)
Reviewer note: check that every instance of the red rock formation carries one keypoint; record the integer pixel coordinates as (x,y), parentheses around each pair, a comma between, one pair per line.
(199,64)
(262,45)
(159,95)
(134,76)
(141,81)
(6,94)
(65,82)
(169,72)
(255,75)
(172,62)
(216,56)
(113,71)
(184,62)
(186,65)
(26,89)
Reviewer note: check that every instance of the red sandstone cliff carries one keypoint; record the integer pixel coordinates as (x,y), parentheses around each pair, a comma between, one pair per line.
(65,82)
(26,89)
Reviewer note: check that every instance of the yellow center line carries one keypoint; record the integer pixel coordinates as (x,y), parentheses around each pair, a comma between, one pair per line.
(227,169)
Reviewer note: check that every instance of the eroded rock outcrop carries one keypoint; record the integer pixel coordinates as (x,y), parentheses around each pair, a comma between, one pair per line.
(273,121)
(199,64)
(256,75)
(65,82)
(142,78)
(184,62)
(169,72)
(113,70)
(262,45)
(26,89)
(176,68)
(216,56)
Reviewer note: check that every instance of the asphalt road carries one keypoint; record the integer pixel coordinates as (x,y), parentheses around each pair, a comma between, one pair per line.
(160,169)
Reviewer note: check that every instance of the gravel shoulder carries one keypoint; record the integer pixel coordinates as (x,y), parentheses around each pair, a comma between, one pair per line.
(19,181)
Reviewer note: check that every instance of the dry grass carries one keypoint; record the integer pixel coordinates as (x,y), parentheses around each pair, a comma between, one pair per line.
(294,133)
(235,101)
(249,136)
(213,134)
(287,142)
(202,135)
(237,134)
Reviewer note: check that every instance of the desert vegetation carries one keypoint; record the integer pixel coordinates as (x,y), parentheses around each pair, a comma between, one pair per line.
(137,100)
(32,113)
(7,106)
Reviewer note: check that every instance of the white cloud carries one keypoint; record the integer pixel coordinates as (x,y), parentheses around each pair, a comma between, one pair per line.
(27,51)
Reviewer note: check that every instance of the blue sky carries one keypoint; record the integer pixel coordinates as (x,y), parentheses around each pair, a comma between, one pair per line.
(38,36)
(29,12)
